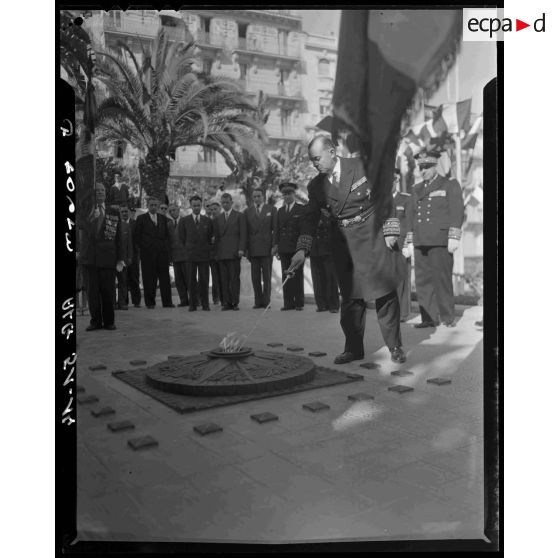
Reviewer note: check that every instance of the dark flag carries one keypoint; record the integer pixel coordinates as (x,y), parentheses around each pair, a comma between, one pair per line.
(384,57)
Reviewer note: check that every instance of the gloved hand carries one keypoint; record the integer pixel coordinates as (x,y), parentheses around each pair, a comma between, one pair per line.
(453,245)
(408,250)
(296,261)
(391,242)
(120,266)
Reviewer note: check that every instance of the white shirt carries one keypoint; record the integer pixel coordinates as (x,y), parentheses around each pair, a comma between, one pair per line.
(336,173)
(289,207)
(227,214)
(153,217)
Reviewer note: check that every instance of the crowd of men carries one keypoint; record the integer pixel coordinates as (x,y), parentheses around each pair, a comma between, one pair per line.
(336,230)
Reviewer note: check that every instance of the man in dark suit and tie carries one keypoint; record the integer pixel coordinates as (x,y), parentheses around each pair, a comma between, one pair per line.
(127,256)
(261,223)
(100,254)
(134,268)
(213,209)
(286,236)
(178,255)
(152,238)
(230,246)
(368,264)
(196,233)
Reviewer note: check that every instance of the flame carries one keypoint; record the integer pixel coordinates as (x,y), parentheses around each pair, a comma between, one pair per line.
(232,342)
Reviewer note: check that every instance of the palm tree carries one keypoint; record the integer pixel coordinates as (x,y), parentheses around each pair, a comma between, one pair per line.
(160,103)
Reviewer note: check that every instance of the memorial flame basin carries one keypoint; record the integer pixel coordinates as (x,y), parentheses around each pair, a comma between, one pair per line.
(216,373)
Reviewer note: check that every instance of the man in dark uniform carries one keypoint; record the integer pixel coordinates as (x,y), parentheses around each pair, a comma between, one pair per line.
(100,254)
(196,233)
(230,239)
(402,210)
(261,223)
(326,290)
(178,255)
(134,268)
(118,193)
(368,264)
(127,255)
(213,209)
(437,216)
(152,238)
(289,219)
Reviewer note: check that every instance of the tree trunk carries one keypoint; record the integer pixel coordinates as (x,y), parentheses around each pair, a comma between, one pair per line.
(154,173)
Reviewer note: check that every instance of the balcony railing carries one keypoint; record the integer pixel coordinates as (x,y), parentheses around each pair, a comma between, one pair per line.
(252,44)
(133,24)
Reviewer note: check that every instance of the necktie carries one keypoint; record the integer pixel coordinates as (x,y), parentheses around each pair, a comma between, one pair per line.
(197,220)
(100,218)
(259,209)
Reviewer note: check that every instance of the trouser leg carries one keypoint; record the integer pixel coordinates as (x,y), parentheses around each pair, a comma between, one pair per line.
(425,285)
(332,290)
(149,276)
(317,271)
(404,291)
(191,274)
(387,309)
(122,277)
(203,274)
(133,282)
(442,269)
(234,266)
(288,295)
(266,264)
(256,274)
(107,285)
(226,283)
(94,297)
(180,281)
(353,323)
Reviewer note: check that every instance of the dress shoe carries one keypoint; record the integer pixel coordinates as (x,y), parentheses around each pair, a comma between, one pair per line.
(256,306)
(397,355)
(183,304)
(224,308)
(334,310)
(92,327)
(235,307)
(206,308)
(346,357)
(192,309)
(150,306)
(426,324)
(450,324)
(110,327)
(299,308)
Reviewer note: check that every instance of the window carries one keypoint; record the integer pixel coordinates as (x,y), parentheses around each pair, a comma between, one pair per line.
(207,66)
(119,149)
(324,107)
(243,70)
(205,23)
(323,67)
(242,28)
(208,155)
(286,116)
(282,42)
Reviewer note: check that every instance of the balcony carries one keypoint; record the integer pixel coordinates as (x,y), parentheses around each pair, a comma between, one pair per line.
(209,40)
(251,46)
(175,33)
(131,24)
(277,91)
(201,169)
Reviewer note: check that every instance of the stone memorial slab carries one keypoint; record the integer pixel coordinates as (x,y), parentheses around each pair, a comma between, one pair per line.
(84,399)
(360,397)
(402,373)
(354,376)
(143,442)
(317,354)
(438,381)
(400,389)
(98,367)
(120,426)
(275,344)
(80,389)
(262,418)
(138,362)
(207,428)
(103,412)
(316,406)
(294,348)
(369,365)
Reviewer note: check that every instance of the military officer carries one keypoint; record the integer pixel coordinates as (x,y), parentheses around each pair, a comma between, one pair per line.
(402,210)
(326,290)
(286,236)
(437,217)
(364,247)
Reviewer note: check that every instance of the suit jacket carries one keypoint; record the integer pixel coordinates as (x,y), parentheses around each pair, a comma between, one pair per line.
(321,245)
(117,196)
(99,241)
(177,248)
(197,239)
(261,230)
(152,240)
(366,268)
(402,209)
(230,235)
(126,242)
(437,212)
(288,228)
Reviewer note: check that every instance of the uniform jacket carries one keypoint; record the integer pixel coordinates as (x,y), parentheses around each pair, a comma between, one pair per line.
(437,212)
(366,268)
(117,196)
(177,248)
(99,241)
(126,242)
(321,244)
(153,241)
(261,230)
(197,239)
(288,228)
(402,209)
(230,235)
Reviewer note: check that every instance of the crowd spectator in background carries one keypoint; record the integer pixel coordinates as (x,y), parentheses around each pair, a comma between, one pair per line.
(178,255)
(126,255)
(118,193)
(213,209)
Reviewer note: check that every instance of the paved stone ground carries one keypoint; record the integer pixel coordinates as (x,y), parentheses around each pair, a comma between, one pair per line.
(406,466)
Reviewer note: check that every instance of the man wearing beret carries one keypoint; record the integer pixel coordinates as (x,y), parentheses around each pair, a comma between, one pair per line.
(289,219)
(437,217)
(368,263)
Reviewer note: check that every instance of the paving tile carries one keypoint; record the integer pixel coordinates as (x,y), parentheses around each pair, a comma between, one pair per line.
(402,373)
(360,397)
(275,344)
(370,365)
(262,418)
(98,367)
(144,442)
(207,428)
(138,362)
(317,354)
(86,399)
(400,389)
(295,348)
(438,381)
(316,406)
(80,389)
(120,426)
(105,411)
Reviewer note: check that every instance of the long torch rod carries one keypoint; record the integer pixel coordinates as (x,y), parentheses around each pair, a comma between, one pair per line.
(289,275)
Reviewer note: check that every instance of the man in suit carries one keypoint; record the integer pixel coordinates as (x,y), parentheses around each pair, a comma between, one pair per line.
(196,233)
(152,238)
(178,255)
(100,254)
(437,216)
(134,268)
(213,209)
(127,255)
(261,223)
(402,210)
(289,219)
(364,247)
(230,246)
(118,193)
(326,290)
